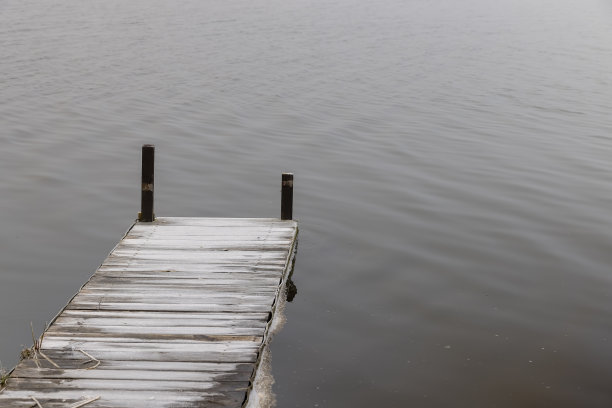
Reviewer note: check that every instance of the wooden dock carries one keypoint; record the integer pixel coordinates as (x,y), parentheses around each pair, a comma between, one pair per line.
(176,316)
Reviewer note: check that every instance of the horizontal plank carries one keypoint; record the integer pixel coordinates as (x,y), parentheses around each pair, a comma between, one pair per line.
(203,248)
(134,291)
(249,315)
(190,256)
(208,243)
(175,232)
(125,261)
(178,278)
(64,403)
(158,333)
(246,238)
(259,251)
(177,325)
(167,307)
(204,277)
(168,267)
(130,374)
(171,295)
(214,223)
(137,334)
(119,353)
(76,363)
(74,342)
(102,280)
(162,383)
(226,299)
(198,231)
(122,398)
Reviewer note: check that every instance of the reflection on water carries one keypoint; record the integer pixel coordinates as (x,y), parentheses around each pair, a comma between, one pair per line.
(453,156)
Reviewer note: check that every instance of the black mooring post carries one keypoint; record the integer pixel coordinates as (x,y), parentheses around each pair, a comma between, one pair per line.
(287,197)
(146,197)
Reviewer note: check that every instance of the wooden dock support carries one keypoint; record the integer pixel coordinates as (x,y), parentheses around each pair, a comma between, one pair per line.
(148,183)
(287,197)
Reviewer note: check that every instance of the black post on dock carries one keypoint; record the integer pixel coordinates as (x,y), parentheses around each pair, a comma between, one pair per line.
(146,197)
(287,197)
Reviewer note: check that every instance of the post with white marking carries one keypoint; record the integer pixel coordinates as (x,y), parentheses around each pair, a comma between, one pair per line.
(146,197)
(287,197)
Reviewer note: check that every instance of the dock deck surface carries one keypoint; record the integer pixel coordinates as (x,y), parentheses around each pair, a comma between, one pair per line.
(176,316)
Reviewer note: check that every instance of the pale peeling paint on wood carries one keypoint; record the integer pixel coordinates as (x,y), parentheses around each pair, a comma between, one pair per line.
(176,316)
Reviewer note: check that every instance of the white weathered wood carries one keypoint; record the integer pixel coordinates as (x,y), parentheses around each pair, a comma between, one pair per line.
(175,316)
(198,231)
(200,291)
(123,398)
(153,366)
(126,374)
(171,296)
(118,398)
(95,328)
(136,354)
(102,279)
(162,315)
(90,345)
(167,307)
(126,261)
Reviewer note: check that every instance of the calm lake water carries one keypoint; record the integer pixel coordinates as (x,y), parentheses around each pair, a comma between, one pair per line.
(453,178)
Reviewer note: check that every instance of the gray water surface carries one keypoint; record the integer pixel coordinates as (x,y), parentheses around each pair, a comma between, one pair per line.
(453,164)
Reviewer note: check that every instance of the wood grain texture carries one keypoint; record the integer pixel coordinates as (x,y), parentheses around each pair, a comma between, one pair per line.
(176,316)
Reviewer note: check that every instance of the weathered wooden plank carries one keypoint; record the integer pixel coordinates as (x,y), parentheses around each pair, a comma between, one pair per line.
(174,289)
(167,315)
(201,292)
(208,224)
(207,242)
(102,280)
(166,307)
(162,325)
(201,250)
(63,403)
(210,257)
(162,383)
(148,262)
(155,293)
(194,271)
(203,278)
(146,332)
(230,237)
(172,296)
(127,374)
(203,267)
(66,403)
(175,300)
(227,368)
(124,398)
(74,342)
(194,231)
(129,334)
(134,354)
